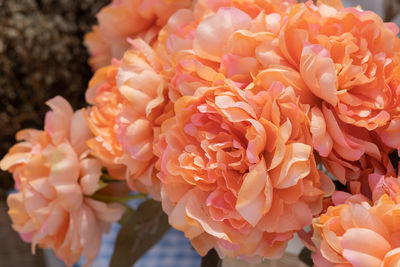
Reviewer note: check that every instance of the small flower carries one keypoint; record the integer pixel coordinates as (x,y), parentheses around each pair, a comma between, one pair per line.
(55,177)
(358,234)
(123,19)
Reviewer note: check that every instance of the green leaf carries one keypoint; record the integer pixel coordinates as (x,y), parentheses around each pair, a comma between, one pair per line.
(211,259)
(305,256)
(105,177)
(140,231)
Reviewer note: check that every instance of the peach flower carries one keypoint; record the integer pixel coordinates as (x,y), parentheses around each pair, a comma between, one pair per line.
(107,104)
(237,169)
(127,18)
(358,234)
(129,105)
(55,177)
(349,152)
(235,38)
(348,58)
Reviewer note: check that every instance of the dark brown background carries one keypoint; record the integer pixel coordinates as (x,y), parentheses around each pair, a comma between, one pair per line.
(41,55)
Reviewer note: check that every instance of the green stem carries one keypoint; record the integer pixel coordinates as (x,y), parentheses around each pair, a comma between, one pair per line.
(109,199)
(105,177)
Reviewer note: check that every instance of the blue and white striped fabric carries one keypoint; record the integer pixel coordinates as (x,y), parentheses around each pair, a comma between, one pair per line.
(173,250)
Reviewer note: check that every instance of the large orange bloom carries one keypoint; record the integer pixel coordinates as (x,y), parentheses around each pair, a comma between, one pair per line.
(358,234)
(238,171)
(124,19)
(55,177)
(347,58)
(235,39)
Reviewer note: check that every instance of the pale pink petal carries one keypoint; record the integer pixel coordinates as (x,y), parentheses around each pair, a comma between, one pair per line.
(319,73)
(295,167)
(90,172)
(367,251)
(251,199)
(79,132)
(57,121)
(322,141)
(222,24)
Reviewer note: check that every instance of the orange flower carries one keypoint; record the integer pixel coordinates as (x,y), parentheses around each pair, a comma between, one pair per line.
(129,105)
(235,38)
(106,103)
(237,169)
(347,58)
(54,178)
(359,235)
(127,18)
(347,151)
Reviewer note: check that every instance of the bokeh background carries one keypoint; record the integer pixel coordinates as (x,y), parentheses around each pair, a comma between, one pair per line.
(42,55)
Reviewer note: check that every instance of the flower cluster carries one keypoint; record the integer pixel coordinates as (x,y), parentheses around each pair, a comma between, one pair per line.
(236,115)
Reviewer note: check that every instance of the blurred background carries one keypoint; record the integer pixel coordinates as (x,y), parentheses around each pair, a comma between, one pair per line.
(42,55)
